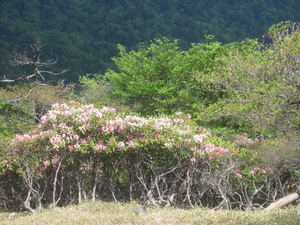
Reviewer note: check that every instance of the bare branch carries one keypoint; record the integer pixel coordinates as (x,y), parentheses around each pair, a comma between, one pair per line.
(52,73)
(21,59)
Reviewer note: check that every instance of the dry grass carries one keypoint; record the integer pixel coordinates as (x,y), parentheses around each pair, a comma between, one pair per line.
(119,213)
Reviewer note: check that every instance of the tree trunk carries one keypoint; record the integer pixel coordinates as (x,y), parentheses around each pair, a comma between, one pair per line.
(284,201)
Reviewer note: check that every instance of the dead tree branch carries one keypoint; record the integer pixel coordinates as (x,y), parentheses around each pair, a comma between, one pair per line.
(21,59)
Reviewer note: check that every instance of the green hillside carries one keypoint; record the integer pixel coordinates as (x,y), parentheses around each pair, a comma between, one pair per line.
(84,34)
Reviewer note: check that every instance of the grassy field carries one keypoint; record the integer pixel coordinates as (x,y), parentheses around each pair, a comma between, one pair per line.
(124,213)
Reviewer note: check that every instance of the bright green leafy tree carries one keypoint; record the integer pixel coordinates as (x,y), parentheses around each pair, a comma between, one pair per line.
(150,79)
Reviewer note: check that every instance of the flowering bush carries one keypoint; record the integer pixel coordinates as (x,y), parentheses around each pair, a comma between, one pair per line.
(84,130)
(79,151)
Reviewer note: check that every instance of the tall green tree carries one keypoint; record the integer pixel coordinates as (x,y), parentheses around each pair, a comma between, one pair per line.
(150,79)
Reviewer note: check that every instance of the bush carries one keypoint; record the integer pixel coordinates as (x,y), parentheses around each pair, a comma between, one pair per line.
(81,152)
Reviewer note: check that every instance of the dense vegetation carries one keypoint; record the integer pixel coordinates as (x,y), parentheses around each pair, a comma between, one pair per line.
(84,34)
(216,125)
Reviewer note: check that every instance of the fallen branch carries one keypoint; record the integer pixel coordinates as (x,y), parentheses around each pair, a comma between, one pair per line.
(283,201)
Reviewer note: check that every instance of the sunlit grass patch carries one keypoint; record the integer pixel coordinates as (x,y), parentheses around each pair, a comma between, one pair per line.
(124,213)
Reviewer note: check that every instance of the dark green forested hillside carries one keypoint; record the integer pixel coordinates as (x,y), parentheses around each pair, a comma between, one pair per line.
(84,33)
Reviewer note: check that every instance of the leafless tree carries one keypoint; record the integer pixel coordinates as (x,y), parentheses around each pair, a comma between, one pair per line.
(21,59)
(36,97)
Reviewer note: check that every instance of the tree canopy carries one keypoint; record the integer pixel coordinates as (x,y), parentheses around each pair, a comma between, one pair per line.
(84,34)
(248,84)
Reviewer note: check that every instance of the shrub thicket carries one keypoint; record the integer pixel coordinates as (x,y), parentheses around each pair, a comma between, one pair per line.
(81,152)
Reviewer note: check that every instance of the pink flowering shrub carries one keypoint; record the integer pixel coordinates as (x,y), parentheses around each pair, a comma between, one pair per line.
(76,129)
(82,152)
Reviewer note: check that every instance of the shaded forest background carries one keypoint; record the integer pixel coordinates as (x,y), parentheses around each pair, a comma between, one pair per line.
(83,34)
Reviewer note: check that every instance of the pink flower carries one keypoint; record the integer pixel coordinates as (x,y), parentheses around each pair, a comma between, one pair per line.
(121,144)
(130,144)
(219,151)
(193,160)
(262,171)
(112,138)
(199,138)
(100,146)
(156,135)
(129,137)
(187,127)
(208,147)
(121,129)
(200,152)
(257,169)
(12,152)
(55,160)
(178,120)
(238,174)
(76,137)
(105,129)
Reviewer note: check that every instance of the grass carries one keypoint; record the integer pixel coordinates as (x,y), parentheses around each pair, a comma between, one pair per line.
(124,213)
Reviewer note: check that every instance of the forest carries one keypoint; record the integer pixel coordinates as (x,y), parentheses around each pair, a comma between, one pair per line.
(84,34)
(215,126)
(169,121)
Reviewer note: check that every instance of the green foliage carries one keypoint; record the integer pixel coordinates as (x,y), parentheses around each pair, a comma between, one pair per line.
(244,86)
(150,79)
(13,121)
(33,100)
(90,30)
(92,89)
(260,81)
(281,153)
(161,78)
(203,60)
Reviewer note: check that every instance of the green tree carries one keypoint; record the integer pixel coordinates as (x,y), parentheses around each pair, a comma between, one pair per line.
(262,82)
(202,60)
(150,79)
